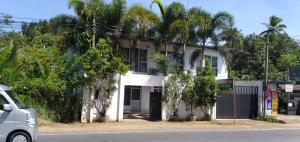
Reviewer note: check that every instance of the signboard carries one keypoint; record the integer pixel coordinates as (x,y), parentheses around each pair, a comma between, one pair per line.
(289,88)
(296,87)
(225,84)
(271,103)
(268,102)
(274,104)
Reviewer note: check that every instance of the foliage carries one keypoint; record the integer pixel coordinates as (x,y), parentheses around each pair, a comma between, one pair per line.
(208,30)
(268,119)
(100,68)
(189,96)
(161,62)
(140,22)
(205,87)
(174,86)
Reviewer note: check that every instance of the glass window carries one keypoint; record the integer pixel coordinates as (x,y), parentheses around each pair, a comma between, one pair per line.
(175,59)
(142,61)
(136,58)
(2,102)
(127,96)
(16,99)
(214,62)
(125,53)
(136,94)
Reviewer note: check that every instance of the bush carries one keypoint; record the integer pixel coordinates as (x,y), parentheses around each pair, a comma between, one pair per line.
(267,119)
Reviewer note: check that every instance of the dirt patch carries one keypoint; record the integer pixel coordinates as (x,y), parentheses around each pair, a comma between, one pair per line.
(148,125)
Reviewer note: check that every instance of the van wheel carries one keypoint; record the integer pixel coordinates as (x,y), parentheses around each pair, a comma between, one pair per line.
(19,137)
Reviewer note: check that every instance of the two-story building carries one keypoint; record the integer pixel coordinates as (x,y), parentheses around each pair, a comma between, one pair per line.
(140,89)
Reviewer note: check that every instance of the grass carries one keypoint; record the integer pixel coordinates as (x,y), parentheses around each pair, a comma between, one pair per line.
(267,119)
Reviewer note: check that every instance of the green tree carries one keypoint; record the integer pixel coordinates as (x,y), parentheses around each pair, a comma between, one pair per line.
(174,86)
(205,87)
(100,68)
(207,30)
(189,97)
(171,13)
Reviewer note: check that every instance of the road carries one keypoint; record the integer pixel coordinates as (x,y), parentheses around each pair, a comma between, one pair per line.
(189,135)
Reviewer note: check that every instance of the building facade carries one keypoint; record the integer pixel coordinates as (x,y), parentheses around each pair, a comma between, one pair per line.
(141,88)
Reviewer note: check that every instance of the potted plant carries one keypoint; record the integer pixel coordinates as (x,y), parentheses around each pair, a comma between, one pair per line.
(190,98)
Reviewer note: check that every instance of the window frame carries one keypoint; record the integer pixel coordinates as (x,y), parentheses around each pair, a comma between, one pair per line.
(5,101)
(215,64)
(132,57)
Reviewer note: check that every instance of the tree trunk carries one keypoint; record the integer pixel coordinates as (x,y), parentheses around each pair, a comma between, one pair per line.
(184,47)
(166,47)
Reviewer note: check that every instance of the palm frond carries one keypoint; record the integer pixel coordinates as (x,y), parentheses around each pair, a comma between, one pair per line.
(195,55)
(161,7)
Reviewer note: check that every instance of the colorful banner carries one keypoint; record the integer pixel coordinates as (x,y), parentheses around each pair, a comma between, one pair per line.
(271,103)
(274,104)
(268,102)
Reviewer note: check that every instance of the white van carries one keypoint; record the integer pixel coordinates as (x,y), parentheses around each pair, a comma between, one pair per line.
(17,121)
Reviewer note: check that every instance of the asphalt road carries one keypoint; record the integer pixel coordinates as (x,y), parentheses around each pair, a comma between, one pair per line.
(213,135)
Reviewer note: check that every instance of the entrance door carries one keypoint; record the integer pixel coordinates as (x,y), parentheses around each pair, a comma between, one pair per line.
(136,99)
(5,117)
(155,105)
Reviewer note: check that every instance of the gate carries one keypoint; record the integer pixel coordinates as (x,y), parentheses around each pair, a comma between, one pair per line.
(155,105)
(242,104)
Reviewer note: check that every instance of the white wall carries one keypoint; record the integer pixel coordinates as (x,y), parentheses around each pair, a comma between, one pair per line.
(222,67)
(115,111)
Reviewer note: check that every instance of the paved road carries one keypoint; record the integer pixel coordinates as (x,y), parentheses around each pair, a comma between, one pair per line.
(216,135)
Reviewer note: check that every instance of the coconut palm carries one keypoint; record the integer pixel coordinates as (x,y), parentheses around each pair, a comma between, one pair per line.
(207,30)
(274,27)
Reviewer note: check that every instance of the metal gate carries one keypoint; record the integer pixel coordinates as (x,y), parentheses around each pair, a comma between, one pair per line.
(240,104)
(155,105)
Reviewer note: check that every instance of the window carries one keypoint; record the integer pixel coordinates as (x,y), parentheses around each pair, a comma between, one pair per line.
(175,59)
(136,94)
(136,58)
(157,89)
(2,102)
(127,96)
(15,98)
(142,61)
(131,93)
(213,61)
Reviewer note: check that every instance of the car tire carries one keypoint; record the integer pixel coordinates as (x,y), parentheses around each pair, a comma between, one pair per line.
(19,136)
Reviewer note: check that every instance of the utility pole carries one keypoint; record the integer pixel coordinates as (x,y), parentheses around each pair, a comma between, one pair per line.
(94,33)
(266,74)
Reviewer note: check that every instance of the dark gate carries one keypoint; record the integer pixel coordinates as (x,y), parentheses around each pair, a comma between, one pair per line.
(155,105)
(240,105)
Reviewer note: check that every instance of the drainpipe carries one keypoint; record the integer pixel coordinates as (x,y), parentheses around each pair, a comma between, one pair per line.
(119,96)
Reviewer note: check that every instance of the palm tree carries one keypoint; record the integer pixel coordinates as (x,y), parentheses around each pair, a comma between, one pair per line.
(274,27)
(207,30)
(170,14)
(138,22)
(180,32)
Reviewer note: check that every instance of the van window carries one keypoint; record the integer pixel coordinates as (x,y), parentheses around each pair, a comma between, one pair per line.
(16,99)
(2,102)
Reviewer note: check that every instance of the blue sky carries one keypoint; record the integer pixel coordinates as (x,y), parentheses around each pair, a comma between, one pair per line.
(248,14)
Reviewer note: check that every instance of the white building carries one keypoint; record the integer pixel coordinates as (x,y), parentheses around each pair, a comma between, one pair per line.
(139,91)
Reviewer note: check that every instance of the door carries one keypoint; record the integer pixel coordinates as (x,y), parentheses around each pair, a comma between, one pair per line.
(155,105)
(5,118)
(136,99)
